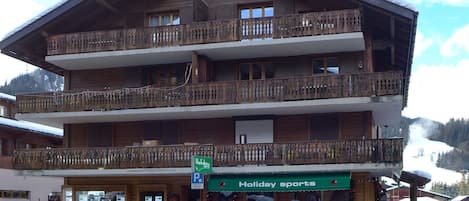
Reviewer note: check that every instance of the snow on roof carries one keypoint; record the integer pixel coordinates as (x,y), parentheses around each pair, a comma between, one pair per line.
(422,173)
(460,198)
(7,97)
(38,128)
(40,15)
(404,4)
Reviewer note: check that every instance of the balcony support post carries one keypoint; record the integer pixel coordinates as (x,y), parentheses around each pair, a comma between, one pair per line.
(195,68)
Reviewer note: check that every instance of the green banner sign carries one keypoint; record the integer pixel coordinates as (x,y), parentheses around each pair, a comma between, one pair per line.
(201,164)
(279,183)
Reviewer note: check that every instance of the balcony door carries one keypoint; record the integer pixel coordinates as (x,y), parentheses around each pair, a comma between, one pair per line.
(256,21)
(255,131)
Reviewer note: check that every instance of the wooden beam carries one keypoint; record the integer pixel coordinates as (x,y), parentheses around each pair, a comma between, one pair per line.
(195,67)
(108,6)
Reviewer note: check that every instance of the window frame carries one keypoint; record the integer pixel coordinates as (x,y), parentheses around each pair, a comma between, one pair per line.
(160,16)
(324,63)
(254,6)
(3,111)
(263,70)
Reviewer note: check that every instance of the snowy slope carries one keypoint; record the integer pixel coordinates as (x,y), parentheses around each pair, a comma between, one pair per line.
(422,154)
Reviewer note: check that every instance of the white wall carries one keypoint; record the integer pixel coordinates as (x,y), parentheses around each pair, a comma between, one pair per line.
(257,131)
(39,187)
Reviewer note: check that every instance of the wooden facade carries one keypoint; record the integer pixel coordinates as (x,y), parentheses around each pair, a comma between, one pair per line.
(326,136)
(215,93)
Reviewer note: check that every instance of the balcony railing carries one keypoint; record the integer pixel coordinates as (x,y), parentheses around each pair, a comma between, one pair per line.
(167,156)
(6,162)
(211,93)
(297,25)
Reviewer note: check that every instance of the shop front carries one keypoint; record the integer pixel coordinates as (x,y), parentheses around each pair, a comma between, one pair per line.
(284,187)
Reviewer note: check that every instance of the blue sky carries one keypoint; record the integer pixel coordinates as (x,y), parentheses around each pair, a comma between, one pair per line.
(439,87)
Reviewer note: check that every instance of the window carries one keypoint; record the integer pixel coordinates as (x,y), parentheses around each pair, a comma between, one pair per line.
(326,66)
(8,194)
(256,29)
(155,20)
(3,111)
(256,71)
(256,12)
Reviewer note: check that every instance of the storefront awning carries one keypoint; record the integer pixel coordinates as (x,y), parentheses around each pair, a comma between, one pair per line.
(279,183)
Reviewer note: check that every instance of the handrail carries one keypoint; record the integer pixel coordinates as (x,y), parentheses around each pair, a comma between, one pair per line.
(167,156)
(295,25)
(214,93)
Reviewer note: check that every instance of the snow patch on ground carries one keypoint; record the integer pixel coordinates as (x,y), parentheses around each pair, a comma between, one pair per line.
(421,154)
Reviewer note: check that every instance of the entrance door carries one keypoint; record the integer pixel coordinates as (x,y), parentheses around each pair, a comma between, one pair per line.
(151,196)
(256,131)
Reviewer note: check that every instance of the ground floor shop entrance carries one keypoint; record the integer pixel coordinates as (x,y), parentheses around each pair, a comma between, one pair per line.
(341,186)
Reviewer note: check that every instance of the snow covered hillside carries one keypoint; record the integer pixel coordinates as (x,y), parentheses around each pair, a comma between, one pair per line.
(422,154)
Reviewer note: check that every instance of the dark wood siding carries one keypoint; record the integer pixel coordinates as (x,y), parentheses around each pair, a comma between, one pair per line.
(291,128)
(106,78)
(128,133)
(208,131)
(325,126)
(355,125)
(78,135)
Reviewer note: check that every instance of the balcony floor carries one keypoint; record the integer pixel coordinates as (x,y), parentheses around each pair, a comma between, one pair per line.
(345,42)
(374,168)
(386,111)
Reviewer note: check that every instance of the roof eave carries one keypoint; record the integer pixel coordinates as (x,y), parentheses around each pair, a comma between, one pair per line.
(33,26)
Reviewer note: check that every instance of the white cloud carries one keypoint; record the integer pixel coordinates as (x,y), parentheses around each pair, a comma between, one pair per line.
(422,43)
(447,2)
(439,92)
(458,42)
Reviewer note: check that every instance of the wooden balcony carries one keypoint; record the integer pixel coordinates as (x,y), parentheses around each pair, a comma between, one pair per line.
(6,162)
(215,93)
(167,156)
(298,25)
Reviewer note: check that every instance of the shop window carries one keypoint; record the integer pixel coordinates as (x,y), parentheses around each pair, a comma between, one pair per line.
(7,194)
(326,66)
(260,196)
(100,195)
(256,71)
(167,19)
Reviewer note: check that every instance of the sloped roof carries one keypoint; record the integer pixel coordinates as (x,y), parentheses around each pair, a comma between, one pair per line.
(31,127)
(7,97)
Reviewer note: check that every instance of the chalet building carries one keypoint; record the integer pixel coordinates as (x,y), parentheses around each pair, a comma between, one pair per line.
(15,135)
(287,97)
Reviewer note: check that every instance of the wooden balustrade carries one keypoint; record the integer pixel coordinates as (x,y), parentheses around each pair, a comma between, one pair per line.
(214,93)
(297,25)
(166,156)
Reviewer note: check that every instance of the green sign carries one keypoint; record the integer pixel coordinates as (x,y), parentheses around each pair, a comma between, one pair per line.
(279,183)
(202,164)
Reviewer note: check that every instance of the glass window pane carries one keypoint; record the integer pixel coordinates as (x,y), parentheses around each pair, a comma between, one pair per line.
(269,71)
(256,71)
(176,20)
(269,12)
(332,66)
(256,12)
(318,66)
(245,13)
(244,71)
(166,20)
(154,21)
